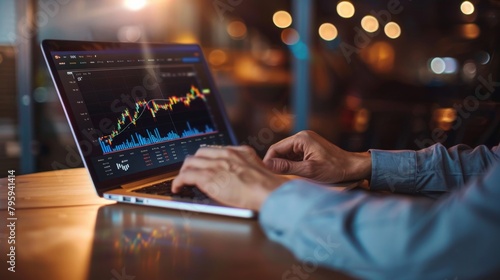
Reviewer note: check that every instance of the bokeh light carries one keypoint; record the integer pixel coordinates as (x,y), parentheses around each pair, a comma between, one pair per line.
(450,65)
(328,32)
(469,70)
(446,114)
(437,65)
(380,56)
(282,19)
(185,38)
(237,29)
(130,33)
(392,30)
(444,117)
(361,120)
(135,5)
(467,8)
(369,24)
(290,36)
(470,30)
(217,57)
(483,57)
(40,94)
(345,9)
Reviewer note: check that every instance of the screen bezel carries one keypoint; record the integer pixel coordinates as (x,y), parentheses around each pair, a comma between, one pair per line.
(49,46)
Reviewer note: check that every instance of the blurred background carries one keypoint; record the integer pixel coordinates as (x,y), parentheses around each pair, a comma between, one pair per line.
(382,74)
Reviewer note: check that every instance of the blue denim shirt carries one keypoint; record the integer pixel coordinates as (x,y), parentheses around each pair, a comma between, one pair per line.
(383,236)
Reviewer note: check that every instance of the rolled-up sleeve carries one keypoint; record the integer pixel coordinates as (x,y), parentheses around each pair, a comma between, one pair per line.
(431,170)
(376,236)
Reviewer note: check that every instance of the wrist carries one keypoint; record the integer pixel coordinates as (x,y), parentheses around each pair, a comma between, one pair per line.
(262,193)
(362,166)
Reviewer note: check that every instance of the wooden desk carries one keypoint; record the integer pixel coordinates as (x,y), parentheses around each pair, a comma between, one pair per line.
(64,231)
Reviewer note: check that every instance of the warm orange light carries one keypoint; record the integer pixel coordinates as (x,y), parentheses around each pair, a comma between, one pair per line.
(361,120)
(369,24)
(290,36)
(392,30)
(217,57)
(470,30)
(444,117)
(237,29)
(345,9)
(328,31)
(185,38)
(380,56)
(135,5)
(282,19)
(467,8)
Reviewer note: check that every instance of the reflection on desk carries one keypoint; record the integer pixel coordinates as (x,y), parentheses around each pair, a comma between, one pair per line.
(150,242)
(121,241)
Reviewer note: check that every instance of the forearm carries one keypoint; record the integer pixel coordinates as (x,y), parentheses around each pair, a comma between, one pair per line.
(388,237)
(431,170)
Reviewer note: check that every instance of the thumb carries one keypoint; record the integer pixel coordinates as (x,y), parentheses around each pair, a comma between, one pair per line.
(284,166)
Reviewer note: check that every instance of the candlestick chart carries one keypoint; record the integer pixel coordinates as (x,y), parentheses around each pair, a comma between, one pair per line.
(175,109)
(152,107)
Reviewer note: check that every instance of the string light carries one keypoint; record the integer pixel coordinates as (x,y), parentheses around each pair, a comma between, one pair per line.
(345,9)
(392,30)
(467,8)
(282,19)
(369,24)
(328,32)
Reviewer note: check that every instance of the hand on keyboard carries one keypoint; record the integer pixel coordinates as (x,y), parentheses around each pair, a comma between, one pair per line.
(165,188)
(231,175)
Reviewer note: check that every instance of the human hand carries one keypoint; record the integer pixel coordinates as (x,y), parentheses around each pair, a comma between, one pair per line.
(308,155)
(234,176)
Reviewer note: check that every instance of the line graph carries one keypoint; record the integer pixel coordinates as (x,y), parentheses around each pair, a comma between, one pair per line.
(153,106)
(176,108)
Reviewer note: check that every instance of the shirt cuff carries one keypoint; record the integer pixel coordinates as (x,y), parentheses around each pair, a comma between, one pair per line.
(393,171)
(285,207)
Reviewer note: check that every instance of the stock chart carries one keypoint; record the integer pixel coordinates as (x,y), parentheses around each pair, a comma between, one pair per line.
(145,107)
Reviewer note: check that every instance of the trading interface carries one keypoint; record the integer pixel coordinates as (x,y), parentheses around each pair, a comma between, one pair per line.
(175,107)
(134,113)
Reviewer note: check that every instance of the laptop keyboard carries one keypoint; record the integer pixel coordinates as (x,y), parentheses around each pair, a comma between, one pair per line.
(165,188)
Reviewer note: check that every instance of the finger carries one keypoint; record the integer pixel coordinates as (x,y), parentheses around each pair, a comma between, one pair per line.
(228,152)
(279,149)
(181,180)
(203,162)
(244,149)
(288,167)
(248,153)
(190,176)
(215,152)
(286,148)
(204,179)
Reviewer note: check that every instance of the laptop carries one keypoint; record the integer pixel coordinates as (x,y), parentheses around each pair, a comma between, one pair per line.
(136,110)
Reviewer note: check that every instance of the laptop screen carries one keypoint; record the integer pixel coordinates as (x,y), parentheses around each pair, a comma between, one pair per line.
(136,110)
